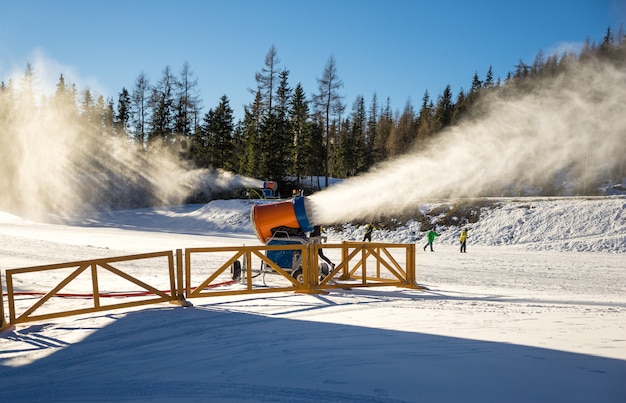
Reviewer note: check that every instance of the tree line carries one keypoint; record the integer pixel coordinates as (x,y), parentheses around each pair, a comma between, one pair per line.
(285,133)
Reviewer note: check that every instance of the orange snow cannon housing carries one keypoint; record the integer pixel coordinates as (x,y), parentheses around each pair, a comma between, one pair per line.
(289,213)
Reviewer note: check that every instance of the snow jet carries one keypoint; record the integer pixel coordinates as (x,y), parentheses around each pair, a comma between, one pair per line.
(571,126)
(55,163)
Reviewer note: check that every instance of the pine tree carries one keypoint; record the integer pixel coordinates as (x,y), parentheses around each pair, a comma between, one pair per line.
(87,107)
(537,67)
(301,131)
(250,162)
(405,133)
(445,109)
(460,107)
(140,109)
(107,115)
(221,132)
(187,102)
(383,130)
(425,123)
(489,83)
(162,107)
(357,131)
(608,47)
(473,94)
(199,149)
(283,138)
(63,101)
(371,133)
(266,79)
(124,113)
(329,101)
(208,146)
(315,154)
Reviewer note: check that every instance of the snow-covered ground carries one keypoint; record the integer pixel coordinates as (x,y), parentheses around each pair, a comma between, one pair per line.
(535,311)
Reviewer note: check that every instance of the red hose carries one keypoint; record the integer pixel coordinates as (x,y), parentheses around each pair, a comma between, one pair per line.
(111,294)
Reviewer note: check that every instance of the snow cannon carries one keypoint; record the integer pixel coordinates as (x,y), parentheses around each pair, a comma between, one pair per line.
(269,189)
(289,215)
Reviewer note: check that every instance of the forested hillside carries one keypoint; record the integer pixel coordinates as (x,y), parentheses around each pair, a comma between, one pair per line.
(120,152)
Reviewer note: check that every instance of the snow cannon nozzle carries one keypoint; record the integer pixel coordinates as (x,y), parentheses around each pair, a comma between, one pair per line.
(289,213)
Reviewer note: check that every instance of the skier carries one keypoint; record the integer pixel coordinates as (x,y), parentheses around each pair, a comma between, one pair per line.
(463,240)
(368,232)
(431,237)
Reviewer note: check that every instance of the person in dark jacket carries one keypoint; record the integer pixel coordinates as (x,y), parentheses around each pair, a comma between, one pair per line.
(431,238)
(316,237)
(368,232)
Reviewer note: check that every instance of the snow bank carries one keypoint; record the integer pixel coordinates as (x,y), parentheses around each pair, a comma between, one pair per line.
(561,224)
(579,224)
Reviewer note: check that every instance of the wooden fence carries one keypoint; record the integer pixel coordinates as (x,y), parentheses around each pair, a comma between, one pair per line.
(199,273)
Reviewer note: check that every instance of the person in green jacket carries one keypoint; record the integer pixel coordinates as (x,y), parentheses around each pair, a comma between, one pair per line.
(431,237)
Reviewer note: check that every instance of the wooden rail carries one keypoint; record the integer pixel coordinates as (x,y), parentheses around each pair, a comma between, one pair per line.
(92,301)
(207,272)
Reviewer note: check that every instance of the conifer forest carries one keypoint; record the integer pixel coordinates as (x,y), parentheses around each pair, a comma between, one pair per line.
(286,132)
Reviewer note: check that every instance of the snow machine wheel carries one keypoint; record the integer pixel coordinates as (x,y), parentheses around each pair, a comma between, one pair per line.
(324,269)
(235,270)
(297,274)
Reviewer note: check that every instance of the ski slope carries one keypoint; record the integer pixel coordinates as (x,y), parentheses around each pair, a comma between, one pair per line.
(535,311)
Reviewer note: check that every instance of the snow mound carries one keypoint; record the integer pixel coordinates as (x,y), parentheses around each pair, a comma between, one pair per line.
(579,224)
(561,224)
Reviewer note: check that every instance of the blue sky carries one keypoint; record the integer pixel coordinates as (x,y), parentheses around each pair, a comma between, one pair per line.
(394,48)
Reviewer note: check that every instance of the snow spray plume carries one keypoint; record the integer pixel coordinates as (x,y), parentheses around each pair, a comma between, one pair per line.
(53,161)
(571,126)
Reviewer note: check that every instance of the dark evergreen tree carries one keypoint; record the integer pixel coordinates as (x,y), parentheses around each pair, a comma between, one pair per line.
(607,42)
(220,131)
(354,160)
(445,109)
(537,67)
(199,150)
(251,161)
(124,113)
(489,83)
(283,137)
(405,132)
(301,129)
(342,141)
(162,107)
(107,115)
(315,153)
(187,103)
(460,107)
(425,119)
(384,129)
(474,91)
(371,132)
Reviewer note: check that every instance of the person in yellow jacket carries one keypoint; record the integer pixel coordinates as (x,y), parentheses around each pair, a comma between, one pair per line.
(463,240)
